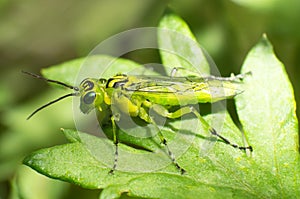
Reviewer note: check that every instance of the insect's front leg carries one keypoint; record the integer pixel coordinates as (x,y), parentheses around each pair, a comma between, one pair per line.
(120,104)
(114,118)
(185,110)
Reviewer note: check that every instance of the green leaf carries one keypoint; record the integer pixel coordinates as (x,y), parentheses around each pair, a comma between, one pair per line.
(179,48)
(78,164)
(69,162)
(267,112)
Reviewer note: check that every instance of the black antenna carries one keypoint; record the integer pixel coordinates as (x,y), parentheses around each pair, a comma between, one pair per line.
(49,103)
(56,100)
(50,80)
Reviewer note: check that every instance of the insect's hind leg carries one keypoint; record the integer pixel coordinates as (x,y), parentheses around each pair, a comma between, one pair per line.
(215,133)
(232,78)
(185,110)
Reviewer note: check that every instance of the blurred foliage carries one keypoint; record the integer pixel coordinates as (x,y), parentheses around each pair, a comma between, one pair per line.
(36,34)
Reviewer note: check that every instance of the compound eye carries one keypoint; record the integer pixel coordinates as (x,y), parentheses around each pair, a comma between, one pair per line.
(89,97)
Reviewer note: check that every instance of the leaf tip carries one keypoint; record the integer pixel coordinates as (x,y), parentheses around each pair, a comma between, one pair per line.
(71,135)
(32,160)
(265,42)
(168,11)
(172,21)
(27,160)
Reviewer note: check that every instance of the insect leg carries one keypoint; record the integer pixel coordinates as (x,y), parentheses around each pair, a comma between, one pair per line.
(173,72)
(187,72)
(192,73)
(115,118)
(214,132)
(231,78)
(172,156)
(185,110)
(145,116)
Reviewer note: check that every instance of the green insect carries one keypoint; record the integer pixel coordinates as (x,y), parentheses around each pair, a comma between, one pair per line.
(134,96)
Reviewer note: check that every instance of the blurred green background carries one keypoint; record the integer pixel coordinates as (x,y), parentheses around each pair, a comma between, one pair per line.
(36,34)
